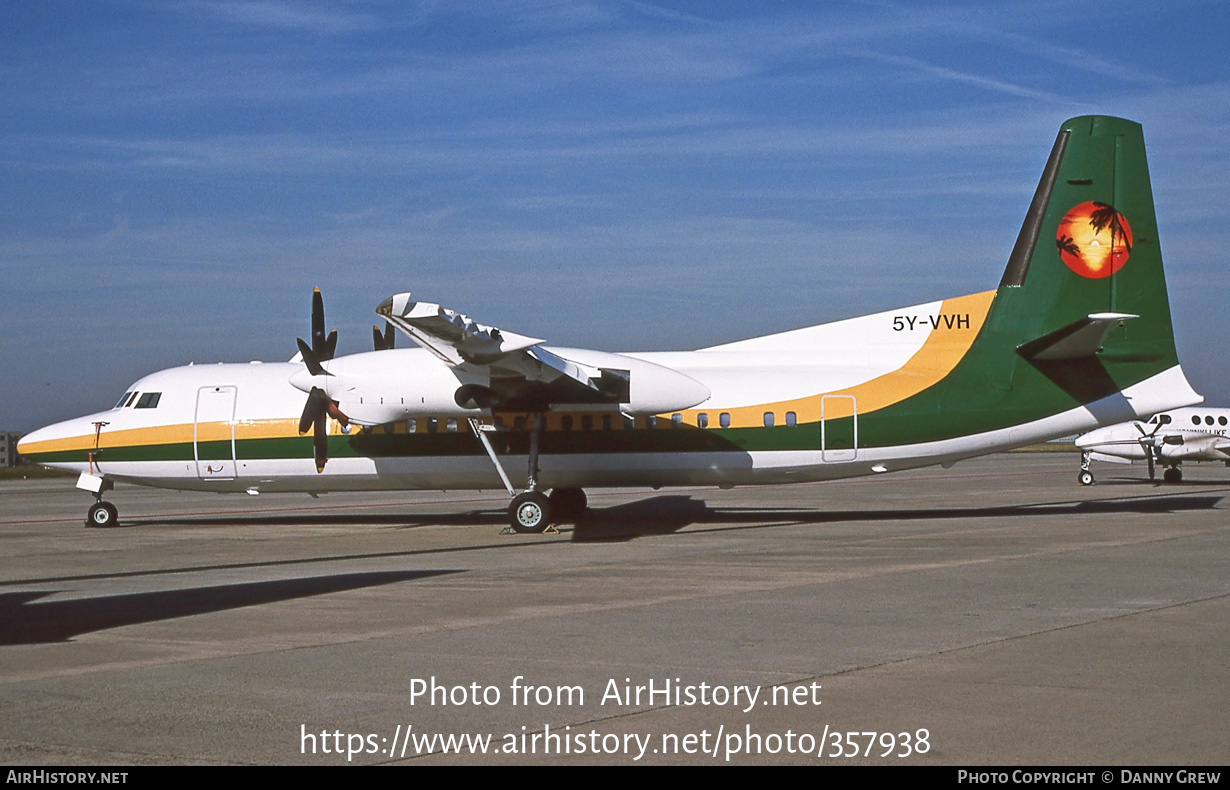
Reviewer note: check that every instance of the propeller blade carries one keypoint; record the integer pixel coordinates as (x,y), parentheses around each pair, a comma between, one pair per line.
(318,320)
(318,408)
(314,407)
(309,358)
(383,342)
(323,346)
(320,443)
(1152,470)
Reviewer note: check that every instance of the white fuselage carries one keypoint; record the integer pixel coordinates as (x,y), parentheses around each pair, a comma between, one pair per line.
(233,427)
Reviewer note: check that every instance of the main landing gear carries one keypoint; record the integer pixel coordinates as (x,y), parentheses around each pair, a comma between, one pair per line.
(1173,474)
(532,511)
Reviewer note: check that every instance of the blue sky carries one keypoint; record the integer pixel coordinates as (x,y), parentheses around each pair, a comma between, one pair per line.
(177,176)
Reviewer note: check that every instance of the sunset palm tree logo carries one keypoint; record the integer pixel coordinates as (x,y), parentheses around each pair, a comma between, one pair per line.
(1094,240)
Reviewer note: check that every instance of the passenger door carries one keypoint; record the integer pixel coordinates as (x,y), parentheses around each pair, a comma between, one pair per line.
(213,434)
(838,428)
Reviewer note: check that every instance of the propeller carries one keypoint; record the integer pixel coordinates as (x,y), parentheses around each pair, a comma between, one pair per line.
(319,405)
(383,342)
(1148,440)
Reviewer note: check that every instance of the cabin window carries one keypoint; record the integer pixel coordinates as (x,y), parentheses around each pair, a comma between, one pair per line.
(124,400)
(629,423)
(411,425)
(702,420)
(606,422)
(724,419)
(149,400)
(565,422)
(1195,420)
(677,420)
(498,422)
(433,425)
(768,419)
(651,422)
(1221,420)
(518,423)
(790,418)
(451,425)
(1208,420)
(587,422)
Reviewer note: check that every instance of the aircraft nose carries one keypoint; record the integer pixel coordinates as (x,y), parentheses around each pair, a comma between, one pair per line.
(27,443)
(1094,437)
(36,445)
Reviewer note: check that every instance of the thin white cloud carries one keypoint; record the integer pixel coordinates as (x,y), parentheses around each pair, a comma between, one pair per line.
(321,19)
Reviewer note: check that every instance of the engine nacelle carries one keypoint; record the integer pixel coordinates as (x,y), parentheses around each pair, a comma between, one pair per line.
(381,387)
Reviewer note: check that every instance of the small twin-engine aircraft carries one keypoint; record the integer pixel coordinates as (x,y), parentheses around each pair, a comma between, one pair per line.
(1078,334)
(1169,438)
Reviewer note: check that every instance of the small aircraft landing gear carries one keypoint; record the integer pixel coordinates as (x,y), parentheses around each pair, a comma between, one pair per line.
(1084,476)
(102,515)
(1173,474)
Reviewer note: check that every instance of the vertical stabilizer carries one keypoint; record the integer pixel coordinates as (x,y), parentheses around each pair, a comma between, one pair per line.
(1083,299)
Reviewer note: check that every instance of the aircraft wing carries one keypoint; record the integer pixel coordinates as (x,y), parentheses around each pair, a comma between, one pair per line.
(522,370)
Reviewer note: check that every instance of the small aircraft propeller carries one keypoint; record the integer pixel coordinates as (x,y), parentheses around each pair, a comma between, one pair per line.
(383,342)
(1152,446)
(319,405)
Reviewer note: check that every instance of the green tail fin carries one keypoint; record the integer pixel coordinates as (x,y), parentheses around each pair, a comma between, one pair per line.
(1083,299)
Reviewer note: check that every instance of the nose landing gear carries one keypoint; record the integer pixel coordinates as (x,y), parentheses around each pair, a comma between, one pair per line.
(101,515)
(1084,476)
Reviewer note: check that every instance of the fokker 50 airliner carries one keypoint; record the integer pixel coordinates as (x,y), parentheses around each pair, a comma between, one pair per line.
(1077,335)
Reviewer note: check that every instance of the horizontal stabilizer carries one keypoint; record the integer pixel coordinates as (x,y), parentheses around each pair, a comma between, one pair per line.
(1081,338)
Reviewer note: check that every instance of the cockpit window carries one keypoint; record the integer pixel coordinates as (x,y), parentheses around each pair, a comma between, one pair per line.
(148,400)
(124,400)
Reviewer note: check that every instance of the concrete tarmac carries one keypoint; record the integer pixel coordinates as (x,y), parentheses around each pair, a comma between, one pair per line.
(992,613)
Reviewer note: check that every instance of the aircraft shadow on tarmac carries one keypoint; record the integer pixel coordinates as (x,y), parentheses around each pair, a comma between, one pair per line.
(666,514)
(1121,480)
(663,515)
(24,621)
